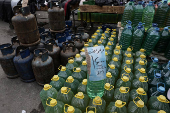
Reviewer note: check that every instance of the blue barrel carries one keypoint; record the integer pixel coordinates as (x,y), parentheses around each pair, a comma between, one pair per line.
(6,60)
(23,63)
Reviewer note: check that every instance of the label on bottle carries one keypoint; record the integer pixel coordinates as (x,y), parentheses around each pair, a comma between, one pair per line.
(96,63)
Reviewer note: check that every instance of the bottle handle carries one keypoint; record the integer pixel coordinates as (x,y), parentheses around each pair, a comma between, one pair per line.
(90,107)
(123,104)
(111,43)
(59,67)
(74,69)
(65,105)
(131,47)
(135,102)
(47,101)
(159,84)
(166,101)
(152,58)
(125,68)
(111,87)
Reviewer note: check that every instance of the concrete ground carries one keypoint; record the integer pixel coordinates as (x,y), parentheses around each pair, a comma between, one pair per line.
(16,95)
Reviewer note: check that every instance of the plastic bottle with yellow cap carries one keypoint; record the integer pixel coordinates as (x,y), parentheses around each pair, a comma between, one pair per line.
(115,62)
(108,92)
(140,72)
(113,70)
(141,82)
(119,47)
(83,67)
(94,40)
(140,52)
(65,95)
(140,92)
(57,82)
(111,45)
(140,64)
(108,50)
(110,79)
(82,53)
(142,56)
(100,42)
(128,57)
(71,64)
(82,87)
(78,74)
(123,81)
(71,109)
(107,34)
(155,111)
(108,58)
(80,101)
(137,106)
(117,54)
(122,94)
(46,92)
(128,64)
(72,83)
(90,43)
(78,59)
(54,106)
(64,72)
(159,103)
(116,107)
(104,40)
(128,51)
(98,103)
(127,71)
(100,29)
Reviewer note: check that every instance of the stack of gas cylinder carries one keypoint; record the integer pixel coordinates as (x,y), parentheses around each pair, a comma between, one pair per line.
(126,83)
(36,54)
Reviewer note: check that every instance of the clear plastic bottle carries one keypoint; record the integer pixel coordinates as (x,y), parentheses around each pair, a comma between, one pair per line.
(148,15)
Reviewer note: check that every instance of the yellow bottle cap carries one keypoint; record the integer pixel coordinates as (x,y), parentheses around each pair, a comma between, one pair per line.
(125,78)
(140,103)
(71,61)
(78,70)
(107,48)
(97,100)
(108,74)
(86,45)
(93,37)
(111,39)
(122,89)
(78,56)
(83,50)
(128,70)
(84,63)
(90,111)
(84,82)
(119,103)
(141,62)
(106,53)
(95,45)
(118,47)
(128,62)
(90,40)
(63,89)
(99,42)
(112,66)
(106,32)
(102,38)
(129,55)
(79,95)
(142,70)
(63,68)
(70,109)
(55,78)
(114,29)
(116,52)
(96,33)
(141,78)
(109,43)
(129,49)
(107,29)
(114,33)
(98,30)
(161,98)
(47,87)
(70,79)
(142,50)
(161,111)
(107,86)
(142,56)
(103,34)
(140,91)
(115,59)
(53,102)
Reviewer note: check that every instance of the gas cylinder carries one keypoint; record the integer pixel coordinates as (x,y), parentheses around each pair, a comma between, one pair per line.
(79,43)
(69,50)
(43,66)
(6,60)
(15,42)
(84,35)
(25,26)
(23,63)
(54,53)
(56,18)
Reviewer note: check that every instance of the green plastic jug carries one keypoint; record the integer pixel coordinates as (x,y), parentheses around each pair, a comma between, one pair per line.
(104,40)
(139,93)
(159,103)
(140,72)
(83,67)
(71,109)
(82,53)
(64,72)
(97,35)
(128,64)
(141,82)
(111,45)
(113,70)
(142,56)
(128,72)
(137,106)
(117,54)
(108,50)
(94,40)
(128,51)
(155,111)
(115,62)
(141,64)
(128,57)
(78,74)
(110,79)
(80,101)
(111,39)
(54,106)
(100,29)
(71,64)
(123,81)
(108,92)
(98,103)
(90,43)
(107,34)
(116,107)
(138,53)
(122,94)
(108,58)
(78,59)
(83,87)
(119,47)
(57,82)
(99,43)
(72,83)
(46,92)
(65,95)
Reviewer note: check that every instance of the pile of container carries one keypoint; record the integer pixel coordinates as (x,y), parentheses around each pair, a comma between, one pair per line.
(123,91)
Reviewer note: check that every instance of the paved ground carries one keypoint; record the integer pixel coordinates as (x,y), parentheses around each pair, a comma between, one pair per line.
(16,95)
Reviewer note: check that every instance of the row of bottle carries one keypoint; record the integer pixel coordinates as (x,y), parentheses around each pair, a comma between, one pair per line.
(146,15)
